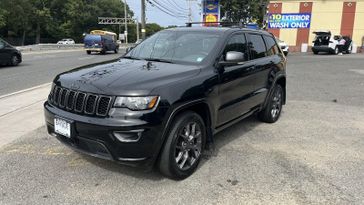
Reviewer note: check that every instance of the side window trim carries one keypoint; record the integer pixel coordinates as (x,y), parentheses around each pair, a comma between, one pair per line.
(249,47)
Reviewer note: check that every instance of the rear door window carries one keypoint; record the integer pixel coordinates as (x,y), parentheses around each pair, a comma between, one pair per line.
(272,47)
(257,46)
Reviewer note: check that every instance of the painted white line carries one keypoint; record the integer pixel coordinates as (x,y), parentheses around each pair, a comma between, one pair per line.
(25,90)
(25,53)
(357,71)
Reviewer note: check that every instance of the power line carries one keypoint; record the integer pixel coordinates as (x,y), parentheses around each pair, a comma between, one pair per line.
(176,6)
(166,10)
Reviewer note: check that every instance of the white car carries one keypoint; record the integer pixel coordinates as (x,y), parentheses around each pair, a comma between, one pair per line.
(66,41)
(284,46)
(326,42)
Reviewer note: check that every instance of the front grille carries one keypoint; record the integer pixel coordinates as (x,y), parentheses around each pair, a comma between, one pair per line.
(80,102)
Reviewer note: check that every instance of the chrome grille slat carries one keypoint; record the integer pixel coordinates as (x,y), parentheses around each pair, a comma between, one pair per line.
(80,102)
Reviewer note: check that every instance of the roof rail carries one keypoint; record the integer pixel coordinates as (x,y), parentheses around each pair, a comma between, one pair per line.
(219,23)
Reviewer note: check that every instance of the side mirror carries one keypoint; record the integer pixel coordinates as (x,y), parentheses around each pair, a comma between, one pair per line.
(233,58)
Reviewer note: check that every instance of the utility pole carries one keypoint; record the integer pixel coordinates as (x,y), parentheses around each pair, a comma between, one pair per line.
(190,10)
(126,25)
(137,28)
(143,19)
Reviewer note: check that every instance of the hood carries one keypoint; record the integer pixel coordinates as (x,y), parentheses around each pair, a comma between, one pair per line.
(125,77)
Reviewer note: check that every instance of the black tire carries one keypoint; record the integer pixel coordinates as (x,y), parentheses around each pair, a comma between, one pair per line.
(116,50)
(285,53)
(336,51)
(88,52)
(15,60)
(350,50)
(103,52)
(315,52)
(273,109)
(178,144)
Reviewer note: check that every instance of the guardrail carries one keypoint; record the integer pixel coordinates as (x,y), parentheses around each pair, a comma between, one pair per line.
(53,46)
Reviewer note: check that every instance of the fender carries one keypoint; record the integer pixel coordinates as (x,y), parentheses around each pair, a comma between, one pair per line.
(278,77)
(173,114)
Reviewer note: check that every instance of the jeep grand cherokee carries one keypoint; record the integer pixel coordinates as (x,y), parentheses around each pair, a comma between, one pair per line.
(166,98)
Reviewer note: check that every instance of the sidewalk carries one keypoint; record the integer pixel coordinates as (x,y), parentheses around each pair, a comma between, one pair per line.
(22,112)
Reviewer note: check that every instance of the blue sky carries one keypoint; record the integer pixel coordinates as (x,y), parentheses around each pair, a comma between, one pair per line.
(154,15)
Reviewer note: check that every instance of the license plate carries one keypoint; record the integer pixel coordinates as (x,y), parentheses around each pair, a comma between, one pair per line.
(62,127)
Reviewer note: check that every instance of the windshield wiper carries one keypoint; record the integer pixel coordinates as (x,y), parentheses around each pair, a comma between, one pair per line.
(158,60)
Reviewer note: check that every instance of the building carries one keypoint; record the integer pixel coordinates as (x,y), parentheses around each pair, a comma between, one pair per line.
(338,16)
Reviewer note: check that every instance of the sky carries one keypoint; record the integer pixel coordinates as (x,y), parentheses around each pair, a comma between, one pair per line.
(154,15)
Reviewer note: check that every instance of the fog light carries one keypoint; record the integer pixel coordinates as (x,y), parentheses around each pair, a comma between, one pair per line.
(129,136)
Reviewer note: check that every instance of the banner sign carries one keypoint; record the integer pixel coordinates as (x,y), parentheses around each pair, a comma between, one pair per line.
(211,12)
(211,6)
(289,21)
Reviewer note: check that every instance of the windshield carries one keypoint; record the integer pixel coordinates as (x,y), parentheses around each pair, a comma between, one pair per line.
(190,47)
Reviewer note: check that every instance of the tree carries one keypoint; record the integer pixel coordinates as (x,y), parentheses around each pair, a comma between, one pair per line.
(41,16)
(152,28)
(2,17)
(55,19)
(243,10)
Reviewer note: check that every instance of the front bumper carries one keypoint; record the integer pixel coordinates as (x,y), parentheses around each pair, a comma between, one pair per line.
(93,49)
(96,136)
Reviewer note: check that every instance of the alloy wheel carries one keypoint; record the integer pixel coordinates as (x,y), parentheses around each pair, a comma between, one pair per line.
(188,145)
(14,60)
(276,103)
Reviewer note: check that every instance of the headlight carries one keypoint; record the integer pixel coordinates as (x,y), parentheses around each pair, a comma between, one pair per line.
(137,103)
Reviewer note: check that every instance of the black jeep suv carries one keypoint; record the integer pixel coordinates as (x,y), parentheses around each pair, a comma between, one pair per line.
(166,98)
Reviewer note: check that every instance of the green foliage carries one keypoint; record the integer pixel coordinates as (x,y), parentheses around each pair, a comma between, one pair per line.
(243,10)
(55,19)
(3,13)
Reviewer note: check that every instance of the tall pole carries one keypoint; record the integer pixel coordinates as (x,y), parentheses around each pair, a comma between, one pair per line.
(126,24)
(189,11)
(143,19)
(137,28)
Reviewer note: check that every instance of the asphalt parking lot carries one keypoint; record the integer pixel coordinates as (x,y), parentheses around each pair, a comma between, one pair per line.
(313,155)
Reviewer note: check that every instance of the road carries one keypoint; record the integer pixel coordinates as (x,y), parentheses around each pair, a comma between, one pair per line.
(313,155)
(41,67)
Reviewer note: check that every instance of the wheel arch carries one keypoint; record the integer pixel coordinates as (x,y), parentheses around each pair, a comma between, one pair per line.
(201,107)
(280,80)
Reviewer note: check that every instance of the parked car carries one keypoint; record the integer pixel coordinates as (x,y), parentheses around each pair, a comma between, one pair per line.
(161,103)
(284,46)
(101,41)
(66,41)
(8,54)
(326,42)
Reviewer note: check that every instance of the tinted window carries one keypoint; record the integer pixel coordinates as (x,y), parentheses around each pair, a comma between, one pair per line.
(272,47)
(191,47)
(236,43)
(257,46)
